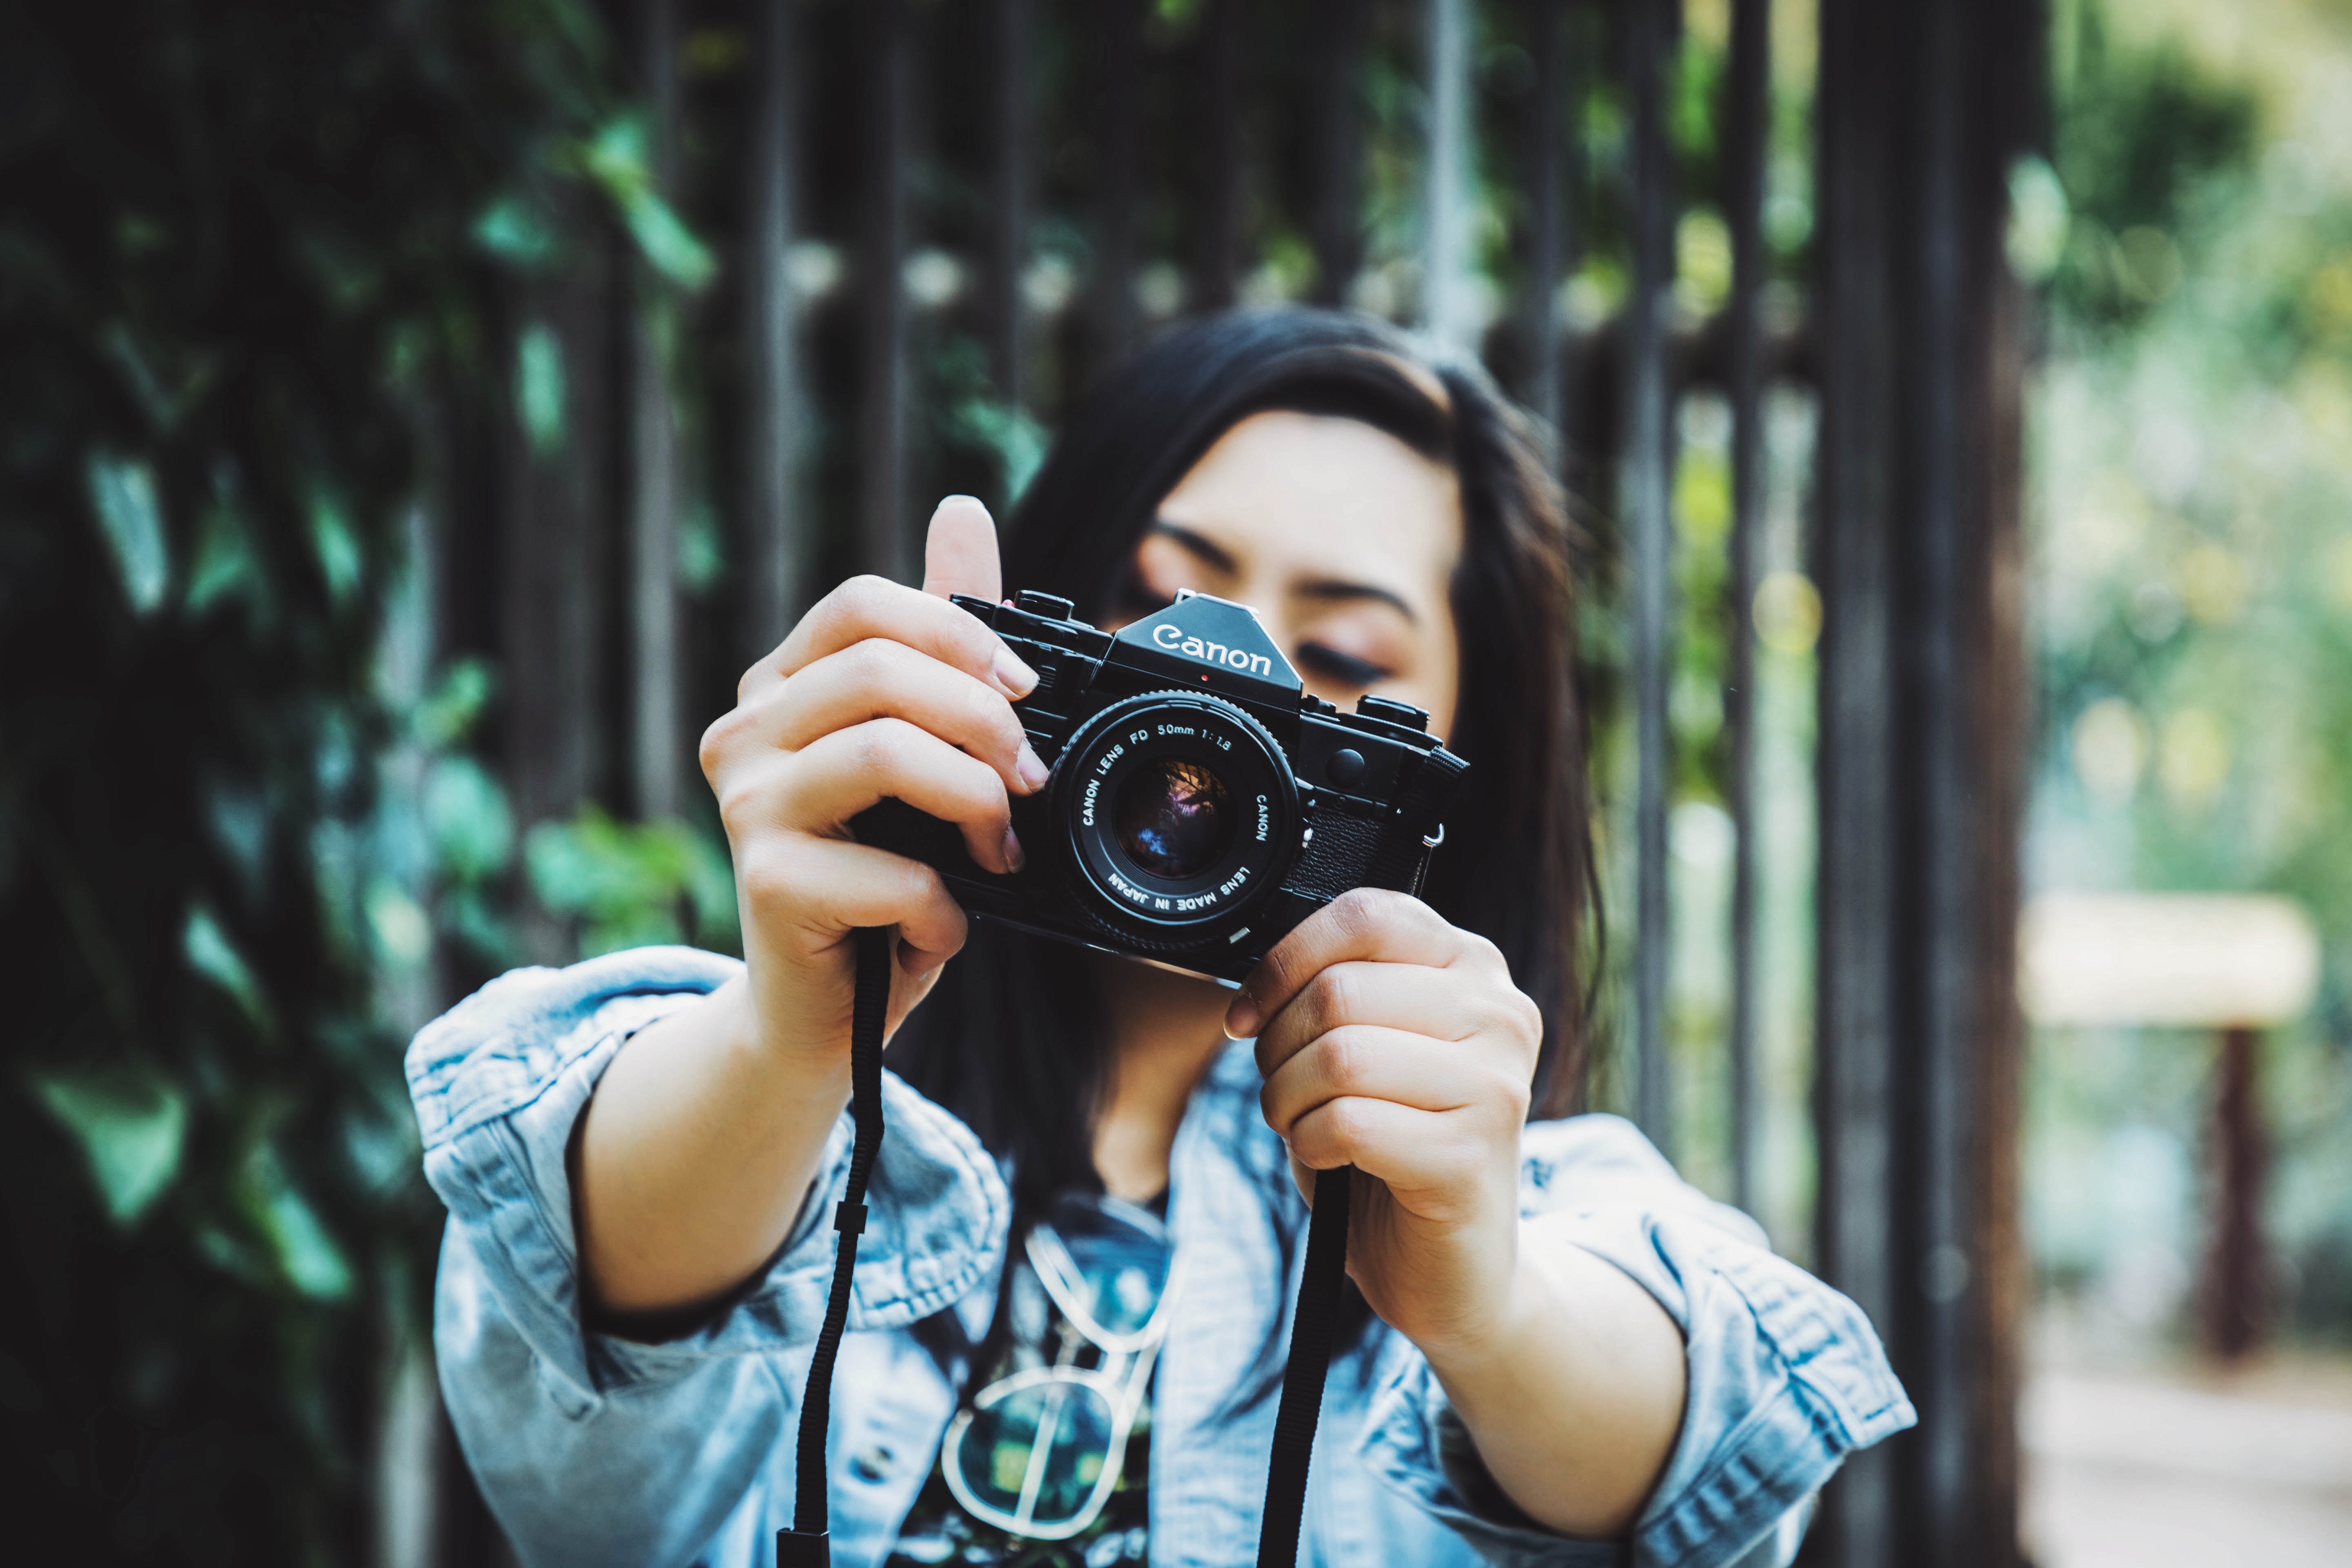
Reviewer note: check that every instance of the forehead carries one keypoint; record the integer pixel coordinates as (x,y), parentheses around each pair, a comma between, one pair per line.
(1315,492)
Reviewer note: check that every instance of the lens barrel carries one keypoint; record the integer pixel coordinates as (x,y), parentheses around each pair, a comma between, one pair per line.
(1178,813)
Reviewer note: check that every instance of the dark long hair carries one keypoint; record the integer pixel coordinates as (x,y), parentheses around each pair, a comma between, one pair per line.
(1011,1039)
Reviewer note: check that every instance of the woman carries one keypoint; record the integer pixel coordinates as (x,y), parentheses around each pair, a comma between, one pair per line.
(1069,1314)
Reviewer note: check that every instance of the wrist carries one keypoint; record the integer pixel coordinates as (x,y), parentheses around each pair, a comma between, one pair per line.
(770,1025)
(1481,1339)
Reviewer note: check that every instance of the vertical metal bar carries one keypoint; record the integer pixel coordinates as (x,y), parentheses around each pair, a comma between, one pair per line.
(1645,502)
(1941,514)
(2009,50)
(408,1498)
(1122,45)
(1220,130)
(1549,224)
(1010,180)
(1577,28)
(1444,264)
(1855,1003)
(1921,695)
(887,543)
(1742,140)
(553,577)
(1336,212)
(654,737)
(776,535)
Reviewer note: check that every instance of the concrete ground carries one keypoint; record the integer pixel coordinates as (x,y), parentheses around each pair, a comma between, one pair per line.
(2179,1470)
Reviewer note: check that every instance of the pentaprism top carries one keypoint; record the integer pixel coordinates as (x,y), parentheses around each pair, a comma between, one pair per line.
(1211,644)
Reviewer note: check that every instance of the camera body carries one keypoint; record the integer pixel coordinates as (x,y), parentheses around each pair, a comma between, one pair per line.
(1199,804)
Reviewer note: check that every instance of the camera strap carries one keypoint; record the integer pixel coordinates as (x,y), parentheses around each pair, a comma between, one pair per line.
(807,1544)
(1311,1327)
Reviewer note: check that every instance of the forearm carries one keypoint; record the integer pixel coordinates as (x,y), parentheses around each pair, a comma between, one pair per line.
(694,1155)
(1575,1398)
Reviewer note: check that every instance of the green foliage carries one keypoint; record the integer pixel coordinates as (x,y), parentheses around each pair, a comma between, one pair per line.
(241,244)
(131,1127)
(2193,613)
(615,159)
(632,884)
(972,419)
(2149,143)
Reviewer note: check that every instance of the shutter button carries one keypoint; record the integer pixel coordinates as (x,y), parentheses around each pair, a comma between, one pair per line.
(871,1464)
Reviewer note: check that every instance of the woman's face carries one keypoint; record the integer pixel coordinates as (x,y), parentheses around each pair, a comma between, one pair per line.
(1342,538)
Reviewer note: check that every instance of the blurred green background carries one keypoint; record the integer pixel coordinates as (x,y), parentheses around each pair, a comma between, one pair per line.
(281,292)
(2191,613)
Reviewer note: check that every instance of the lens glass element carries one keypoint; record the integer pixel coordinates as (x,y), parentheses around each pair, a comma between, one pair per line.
(1175,817)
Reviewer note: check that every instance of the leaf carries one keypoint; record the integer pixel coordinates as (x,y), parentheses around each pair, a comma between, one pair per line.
(132,1125)
(701,552)
(633,883)
(515,231)
(710,883)
(467,815)
(305,1253)
(2035,242)
(1014,440)
(668,243)
(123,495)
(330,536)
(402,930)
(539,387)
(224,562)
(615,159)
(215,958)
(444,718)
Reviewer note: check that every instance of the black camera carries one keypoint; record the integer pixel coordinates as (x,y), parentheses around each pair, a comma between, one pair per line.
(1200,803)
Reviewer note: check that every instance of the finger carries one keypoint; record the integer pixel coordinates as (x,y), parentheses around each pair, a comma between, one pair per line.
(880,678)
(959,553)
(1411,996)
(1414,1151)
(870,607)
(830,886)
(1365,923)
(1376,1063)
(836,776)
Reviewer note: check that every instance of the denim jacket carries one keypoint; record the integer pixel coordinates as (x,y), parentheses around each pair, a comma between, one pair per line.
(593,1449)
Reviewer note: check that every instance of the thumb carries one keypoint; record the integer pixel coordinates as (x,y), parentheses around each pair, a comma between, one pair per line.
(959,557)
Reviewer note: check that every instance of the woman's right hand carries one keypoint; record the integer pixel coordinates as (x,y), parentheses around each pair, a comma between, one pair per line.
(880,691)
(709,1125)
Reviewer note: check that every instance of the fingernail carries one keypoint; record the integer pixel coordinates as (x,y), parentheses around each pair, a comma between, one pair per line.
(1032,770)
(1013,858)
(1017,679)
(1241,1021)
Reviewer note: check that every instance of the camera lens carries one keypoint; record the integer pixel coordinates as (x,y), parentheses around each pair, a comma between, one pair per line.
(1179,812)
(1175,817)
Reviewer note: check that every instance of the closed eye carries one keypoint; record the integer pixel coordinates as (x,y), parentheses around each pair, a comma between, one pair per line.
(1344,668)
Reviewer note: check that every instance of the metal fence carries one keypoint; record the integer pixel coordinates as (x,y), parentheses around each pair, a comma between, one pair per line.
(938,221)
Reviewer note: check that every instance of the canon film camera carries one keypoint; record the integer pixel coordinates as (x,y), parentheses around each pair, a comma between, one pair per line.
(1200,803)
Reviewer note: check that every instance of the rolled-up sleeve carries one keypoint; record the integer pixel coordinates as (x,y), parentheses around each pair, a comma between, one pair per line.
(577,1435)
(1785,1376)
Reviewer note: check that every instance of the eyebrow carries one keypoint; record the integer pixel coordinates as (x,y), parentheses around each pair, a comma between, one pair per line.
(1329,589)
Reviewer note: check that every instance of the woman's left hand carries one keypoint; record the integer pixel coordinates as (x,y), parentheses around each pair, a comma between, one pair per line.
(1395,1043)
